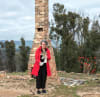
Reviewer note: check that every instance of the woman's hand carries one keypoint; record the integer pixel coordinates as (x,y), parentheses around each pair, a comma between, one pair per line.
(33,76)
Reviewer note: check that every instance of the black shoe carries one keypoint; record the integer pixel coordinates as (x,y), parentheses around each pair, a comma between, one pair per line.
(38,92)
(44,91)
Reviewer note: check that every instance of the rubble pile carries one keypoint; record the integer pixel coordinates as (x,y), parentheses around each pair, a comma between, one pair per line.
(72,82)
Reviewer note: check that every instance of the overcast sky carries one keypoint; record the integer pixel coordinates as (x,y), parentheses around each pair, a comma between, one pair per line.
(17,16)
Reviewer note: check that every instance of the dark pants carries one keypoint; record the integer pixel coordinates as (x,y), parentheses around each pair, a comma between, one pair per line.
(41,78)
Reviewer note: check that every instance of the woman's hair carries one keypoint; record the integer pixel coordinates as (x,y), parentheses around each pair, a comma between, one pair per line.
(44,42)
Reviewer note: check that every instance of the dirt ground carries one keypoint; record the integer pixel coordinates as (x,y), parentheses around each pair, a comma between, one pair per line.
(19,84)
(13,86)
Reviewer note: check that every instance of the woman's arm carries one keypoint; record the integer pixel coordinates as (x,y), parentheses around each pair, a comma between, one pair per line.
(37,56)
(48,55)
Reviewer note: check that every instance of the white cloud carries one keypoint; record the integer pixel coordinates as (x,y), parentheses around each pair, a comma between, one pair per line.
(4,30)
(27,18)
(17,17)
(11,14)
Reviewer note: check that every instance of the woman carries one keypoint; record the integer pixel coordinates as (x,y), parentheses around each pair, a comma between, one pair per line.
(41,68)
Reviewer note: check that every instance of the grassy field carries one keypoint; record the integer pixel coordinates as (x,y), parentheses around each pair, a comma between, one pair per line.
(92,85)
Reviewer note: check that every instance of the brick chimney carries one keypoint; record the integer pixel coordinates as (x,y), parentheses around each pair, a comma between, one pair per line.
(41,32)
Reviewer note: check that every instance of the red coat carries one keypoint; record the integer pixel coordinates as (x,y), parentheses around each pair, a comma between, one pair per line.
(36,66)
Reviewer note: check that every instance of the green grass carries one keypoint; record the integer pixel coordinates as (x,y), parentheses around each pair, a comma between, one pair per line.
(27,96)
(24,96)
(31,81)
(65,91)
(60,90)
(18,73)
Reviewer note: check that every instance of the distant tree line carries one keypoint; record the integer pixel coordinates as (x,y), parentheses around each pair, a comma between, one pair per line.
(73,35)
(12,60)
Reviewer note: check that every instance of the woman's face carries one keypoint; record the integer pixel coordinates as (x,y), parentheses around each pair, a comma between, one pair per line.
(43,45)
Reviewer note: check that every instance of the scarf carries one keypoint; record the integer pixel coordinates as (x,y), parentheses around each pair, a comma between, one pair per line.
(43,57)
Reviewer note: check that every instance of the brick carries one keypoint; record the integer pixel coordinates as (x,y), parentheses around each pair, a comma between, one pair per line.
(41,21)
